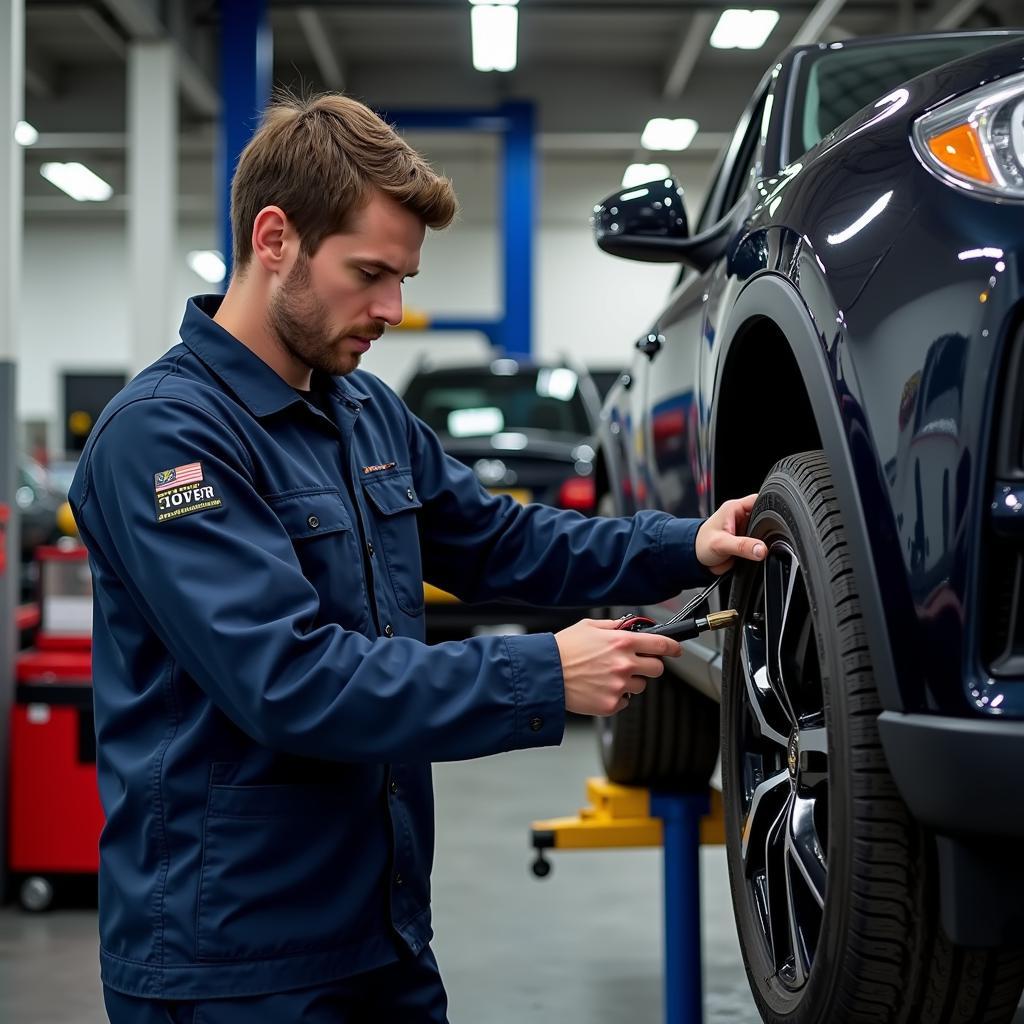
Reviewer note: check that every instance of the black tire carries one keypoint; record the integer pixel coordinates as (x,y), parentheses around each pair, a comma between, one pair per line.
(819,811)
(667,738)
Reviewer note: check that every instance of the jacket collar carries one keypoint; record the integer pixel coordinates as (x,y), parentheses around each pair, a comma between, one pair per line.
(261,389)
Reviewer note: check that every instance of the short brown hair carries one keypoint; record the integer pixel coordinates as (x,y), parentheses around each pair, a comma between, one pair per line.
(320,159)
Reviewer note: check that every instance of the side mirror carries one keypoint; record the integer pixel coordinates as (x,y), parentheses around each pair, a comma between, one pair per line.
(648,223)
(643,213)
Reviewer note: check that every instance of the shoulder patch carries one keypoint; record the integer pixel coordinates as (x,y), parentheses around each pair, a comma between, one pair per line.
(180,491)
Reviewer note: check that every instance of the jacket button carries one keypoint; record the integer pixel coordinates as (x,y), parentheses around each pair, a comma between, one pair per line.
(410,495)
(536,723)
(313,522)
(399,880)
(394,788)
(388,631)
(369,548)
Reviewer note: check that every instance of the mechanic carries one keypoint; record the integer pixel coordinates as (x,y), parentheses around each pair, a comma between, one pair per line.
(261,516)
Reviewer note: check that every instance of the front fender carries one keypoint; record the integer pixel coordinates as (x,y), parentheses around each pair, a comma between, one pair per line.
(858,478)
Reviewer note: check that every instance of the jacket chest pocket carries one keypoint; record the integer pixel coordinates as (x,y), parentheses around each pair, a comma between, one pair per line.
(320,529)
(394,501)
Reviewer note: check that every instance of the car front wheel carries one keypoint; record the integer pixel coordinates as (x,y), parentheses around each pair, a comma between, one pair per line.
(834,886)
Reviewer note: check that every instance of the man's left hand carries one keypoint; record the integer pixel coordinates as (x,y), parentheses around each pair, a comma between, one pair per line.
(720,539)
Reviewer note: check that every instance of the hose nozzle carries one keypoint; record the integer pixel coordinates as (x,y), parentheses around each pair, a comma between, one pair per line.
(720,620)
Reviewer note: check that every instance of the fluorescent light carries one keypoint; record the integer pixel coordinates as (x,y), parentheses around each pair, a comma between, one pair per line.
(640,174)
(494,3)
(78,181)
(558,383)
(25,134)
(475,422)
(743,29)
(495,30)
(668,133)
(208,264)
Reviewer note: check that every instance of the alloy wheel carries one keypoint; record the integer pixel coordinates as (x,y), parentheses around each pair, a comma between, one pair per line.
(783,765)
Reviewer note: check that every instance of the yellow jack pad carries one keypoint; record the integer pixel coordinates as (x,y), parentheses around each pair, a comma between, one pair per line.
(617,816)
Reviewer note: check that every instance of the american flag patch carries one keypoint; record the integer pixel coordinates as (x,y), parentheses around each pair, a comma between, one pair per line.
(190,474)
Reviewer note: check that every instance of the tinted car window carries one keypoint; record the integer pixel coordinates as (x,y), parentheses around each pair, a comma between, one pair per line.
(469,403)
(837,83)
(746,158)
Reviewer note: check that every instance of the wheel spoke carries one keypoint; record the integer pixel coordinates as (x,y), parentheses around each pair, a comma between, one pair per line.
(776,885)
(801,961)
(804,848)
(763,813)
(780,576)
(764,702)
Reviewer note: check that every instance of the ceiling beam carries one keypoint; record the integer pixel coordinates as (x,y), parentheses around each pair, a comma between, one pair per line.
(196,86)
(327,60)
(40,76)
(955,14)
(102,30)
(625,142)
(139,18)
(816,22)
(691,45)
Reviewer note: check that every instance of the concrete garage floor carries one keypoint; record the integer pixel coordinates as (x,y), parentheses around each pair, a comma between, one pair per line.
(582,945)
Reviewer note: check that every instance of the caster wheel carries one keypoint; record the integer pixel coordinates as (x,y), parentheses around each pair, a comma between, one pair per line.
(541,867)
(36,894)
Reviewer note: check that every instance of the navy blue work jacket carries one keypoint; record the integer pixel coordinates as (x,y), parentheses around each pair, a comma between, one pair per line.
(266,707)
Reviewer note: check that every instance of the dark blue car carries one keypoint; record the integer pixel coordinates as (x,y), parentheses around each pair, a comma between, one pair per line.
(846,338)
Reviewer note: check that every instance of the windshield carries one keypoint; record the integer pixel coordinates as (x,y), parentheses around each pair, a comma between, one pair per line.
(477,403)
(836,83)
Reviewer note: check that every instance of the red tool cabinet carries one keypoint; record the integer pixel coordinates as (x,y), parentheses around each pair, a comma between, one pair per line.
(55,814)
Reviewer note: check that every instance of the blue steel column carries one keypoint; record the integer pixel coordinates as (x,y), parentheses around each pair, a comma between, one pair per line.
(246,70)
(519,189)
(684,995)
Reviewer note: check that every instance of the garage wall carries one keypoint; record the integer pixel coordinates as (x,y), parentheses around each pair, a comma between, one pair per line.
(75,311)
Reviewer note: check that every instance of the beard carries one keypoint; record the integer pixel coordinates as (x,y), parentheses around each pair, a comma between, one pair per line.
(300,322)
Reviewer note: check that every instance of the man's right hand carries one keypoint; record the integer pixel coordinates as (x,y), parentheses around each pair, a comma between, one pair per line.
(603,666)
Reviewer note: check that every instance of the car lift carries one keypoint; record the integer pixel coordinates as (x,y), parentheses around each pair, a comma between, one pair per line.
(622,816)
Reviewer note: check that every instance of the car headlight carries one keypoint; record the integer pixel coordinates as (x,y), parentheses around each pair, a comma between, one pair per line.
(977,141)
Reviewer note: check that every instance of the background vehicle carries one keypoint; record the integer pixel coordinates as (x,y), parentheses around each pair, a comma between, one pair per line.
(846,338)
(44,513)
(526,430)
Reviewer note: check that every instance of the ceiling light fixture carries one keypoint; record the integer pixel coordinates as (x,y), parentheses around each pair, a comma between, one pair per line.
(640,174)
(208,264)
(25,134)
(668,133)
(739,29)
(78,181)
(495,27)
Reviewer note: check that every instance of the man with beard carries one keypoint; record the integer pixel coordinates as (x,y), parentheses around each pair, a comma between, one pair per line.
(261,516)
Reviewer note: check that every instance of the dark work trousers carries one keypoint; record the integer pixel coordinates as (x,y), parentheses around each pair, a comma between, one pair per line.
(407,992)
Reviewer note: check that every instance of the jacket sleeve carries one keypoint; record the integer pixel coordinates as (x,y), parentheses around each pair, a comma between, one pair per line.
(222,589)
(480,546)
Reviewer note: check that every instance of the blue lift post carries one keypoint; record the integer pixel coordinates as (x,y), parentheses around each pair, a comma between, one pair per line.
(624,816)
(246,71)
(684,984)
(514,122)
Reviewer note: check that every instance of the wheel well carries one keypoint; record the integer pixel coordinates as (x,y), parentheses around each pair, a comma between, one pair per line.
(764,413)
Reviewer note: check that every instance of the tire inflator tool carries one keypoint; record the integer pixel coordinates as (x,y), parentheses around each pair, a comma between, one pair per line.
(683,625)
